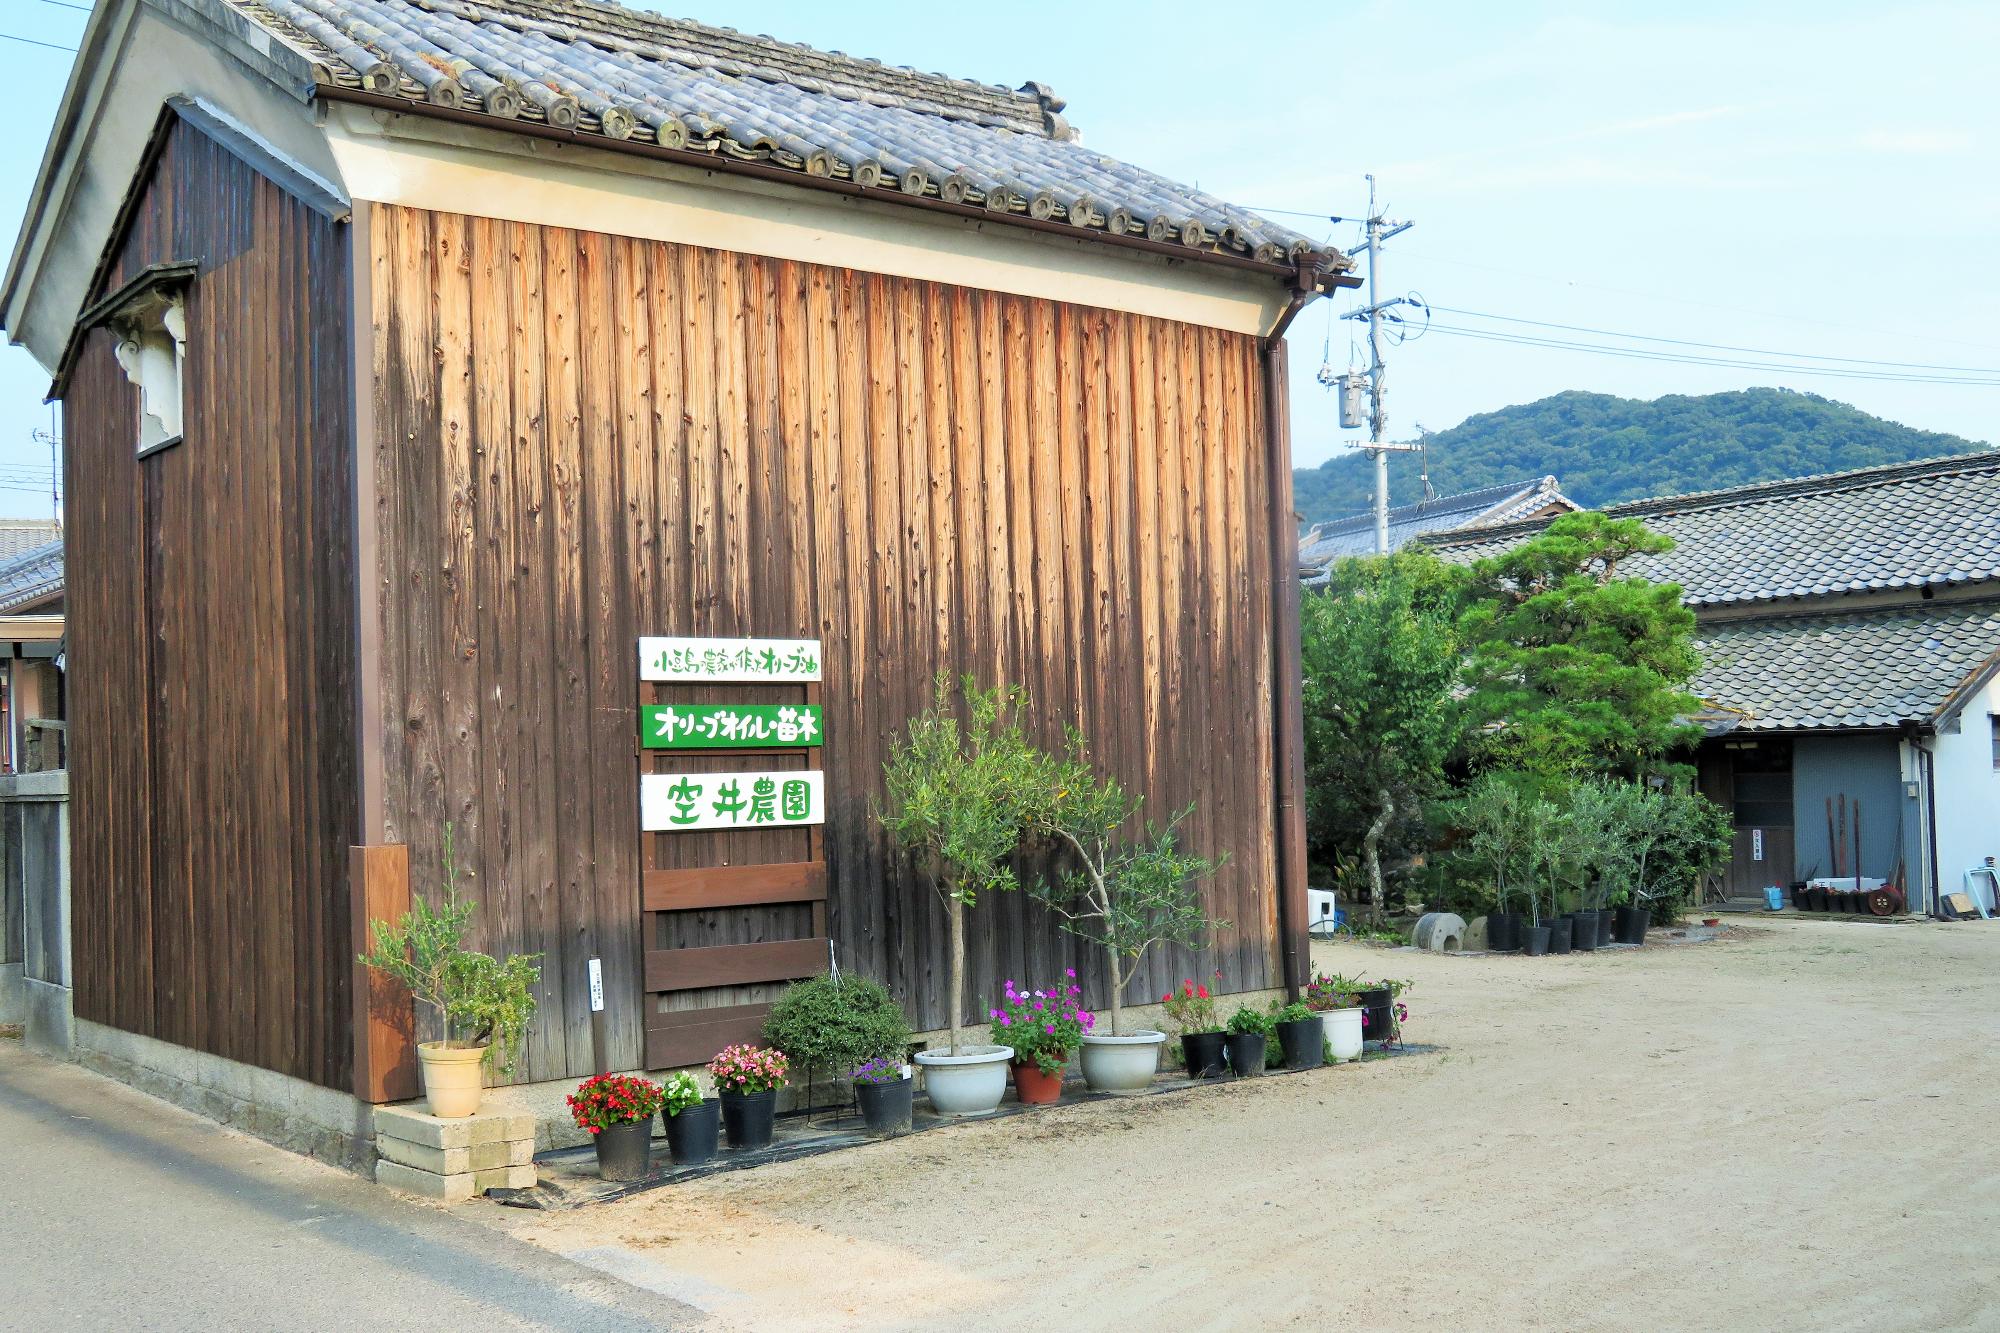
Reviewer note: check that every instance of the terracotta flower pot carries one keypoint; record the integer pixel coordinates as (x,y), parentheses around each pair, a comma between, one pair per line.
(454,1078)
(1031,1085)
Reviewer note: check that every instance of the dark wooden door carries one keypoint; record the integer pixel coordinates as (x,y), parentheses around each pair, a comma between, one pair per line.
(1760,787)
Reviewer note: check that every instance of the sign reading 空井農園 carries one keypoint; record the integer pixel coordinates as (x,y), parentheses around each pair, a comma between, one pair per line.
(670,802)
(766,661)
(727,726)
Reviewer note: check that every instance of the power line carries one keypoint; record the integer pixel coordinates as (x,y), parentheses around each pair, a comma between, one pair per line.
(65,4)
(1720,347)
(1679,358)
(29,41)
(1871,329)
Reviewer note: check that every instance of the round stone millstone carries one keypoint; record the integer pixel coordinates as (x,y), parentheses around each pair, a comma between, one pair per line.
(1439,932)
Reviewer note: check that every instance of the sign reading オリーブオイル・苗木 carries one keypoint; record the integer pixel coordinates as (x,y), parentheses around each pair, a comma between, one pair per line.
(750,661)
(693,801)
(727,726)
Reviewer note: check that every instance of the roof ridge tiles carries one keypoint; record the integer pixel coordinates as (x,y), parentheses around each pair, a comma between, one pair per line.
(599,69)
(1755,493)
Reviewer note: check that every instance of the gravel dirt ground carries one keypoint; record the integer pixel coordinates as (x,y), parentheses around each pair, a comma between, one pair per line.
(1788,1128)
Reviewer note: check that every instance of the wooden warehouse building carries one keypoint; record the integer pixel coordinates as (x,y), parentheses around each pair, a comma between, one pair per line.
(420,358)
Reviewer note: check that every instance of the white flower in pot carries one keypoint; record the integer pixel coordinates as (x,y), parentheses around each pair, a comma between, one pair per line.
(482,1005)
(1124,896)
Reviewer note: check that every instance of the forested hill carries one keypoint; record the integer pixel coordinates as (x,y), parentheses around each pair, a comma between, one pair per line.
(1604,449)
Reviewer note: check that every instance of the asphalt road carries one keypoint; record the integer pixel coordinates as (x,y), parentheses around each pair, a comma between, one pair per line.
(119,1210)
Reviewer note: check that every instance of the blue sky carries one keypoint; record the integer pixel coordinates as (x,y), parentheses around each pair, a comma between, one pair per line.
(1811,178)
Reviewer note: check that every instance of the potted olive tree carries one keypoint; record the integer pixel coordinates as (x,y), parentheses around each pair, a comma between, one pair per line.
(1125,896)
(482,1005)
(955,793)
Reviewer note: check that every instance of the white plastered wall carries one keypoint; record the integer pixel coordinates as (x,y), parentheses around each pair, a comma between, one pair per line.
(422,162)
(1968,789)
(137,57)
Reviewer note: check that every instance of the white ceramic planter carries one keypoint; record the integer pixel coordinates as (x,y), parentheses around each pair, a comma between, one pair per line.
(1343,1030)
(454,1078)
(1121,1064)
(969,1083)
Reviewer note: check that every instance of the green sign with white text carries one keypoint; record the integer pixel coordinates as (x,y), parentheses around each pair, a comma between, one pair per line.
(728,726)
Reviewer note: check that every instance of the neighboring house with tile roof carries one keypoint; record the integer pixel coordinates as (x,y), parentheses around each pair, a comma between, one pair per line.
(31,650)
(26,534)
(419,357)
(1324,543)
(1849,628)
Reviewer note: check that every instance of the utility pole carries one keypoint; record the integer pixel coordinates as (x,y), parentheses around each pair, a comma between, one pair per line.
(1379,229)
(54,442)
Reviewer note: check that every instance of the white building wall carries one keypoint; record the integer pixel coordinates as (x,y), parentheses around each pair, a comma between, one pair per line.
(1968,790)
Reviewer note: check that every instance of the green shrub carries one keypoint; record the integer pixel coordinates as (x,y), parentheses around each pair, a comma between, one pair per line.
(836,1023)
(1298,1011)
(1248,1022)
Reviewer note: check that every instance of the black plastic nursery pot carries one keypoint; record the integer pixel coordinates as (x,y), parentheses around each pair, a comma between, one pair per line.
(696,1133)
(1304,1042)
(622,1149)
(1607,926)
(1631,924)
(1246,1053)
(1535,940)
(1503,931)
(1379,1024)
(1206,1054)
(1562,934)
(749,1117)
(887,1108)
(1583,931)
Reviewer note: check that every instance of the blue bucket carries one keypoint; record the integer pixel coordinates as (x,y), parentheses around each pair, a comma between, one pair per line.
(1774,898)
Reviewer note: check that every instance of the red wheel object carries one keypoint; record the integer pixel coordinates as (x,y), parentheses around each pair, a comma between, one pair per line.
(1881,902)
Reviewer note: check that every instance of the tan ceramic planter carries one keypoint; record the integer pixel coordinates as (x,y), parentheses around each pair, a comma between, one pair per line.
(454,1078)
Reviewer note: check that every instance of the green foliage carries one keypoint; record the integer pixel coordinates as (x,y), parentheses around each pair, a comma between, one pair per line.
(1592,842)
(1572,668)
(477,999)
(1123,894)
(1298,1011)
(837,1023)
(957,792)
(1493,833)
(956,789)
(1606,450)
(1248,1022)
(1381,657)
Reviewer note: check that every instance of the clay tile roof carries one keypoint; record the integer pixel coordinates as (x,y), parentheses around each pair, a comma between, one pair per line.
(1326,542)
(31,576)
(1866,669)
(625,74)
(1907,525)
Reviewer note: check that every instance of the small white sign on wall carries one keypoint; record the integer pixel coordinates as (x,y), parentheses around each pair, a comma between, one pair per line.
(763,661)
(1756,844)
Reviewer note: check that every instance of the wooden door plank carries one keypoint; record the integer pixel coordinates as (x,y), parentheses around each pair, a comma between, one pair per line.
(693,1036)
(734,886)
(733,964)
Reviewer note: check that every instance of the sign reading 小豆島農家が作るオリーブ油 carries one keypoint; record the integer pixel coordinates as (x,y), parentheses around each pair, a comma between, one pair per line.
(765,661)
(691,801)
(727,726)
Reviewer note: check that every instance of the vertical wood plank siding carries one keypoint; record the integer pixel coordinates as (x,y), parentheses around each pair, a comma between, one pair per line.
(667,440)
(211,633)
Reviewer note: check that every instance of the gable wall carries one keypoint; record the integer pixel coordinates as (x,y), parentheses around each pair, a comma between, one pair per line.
(211,640)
